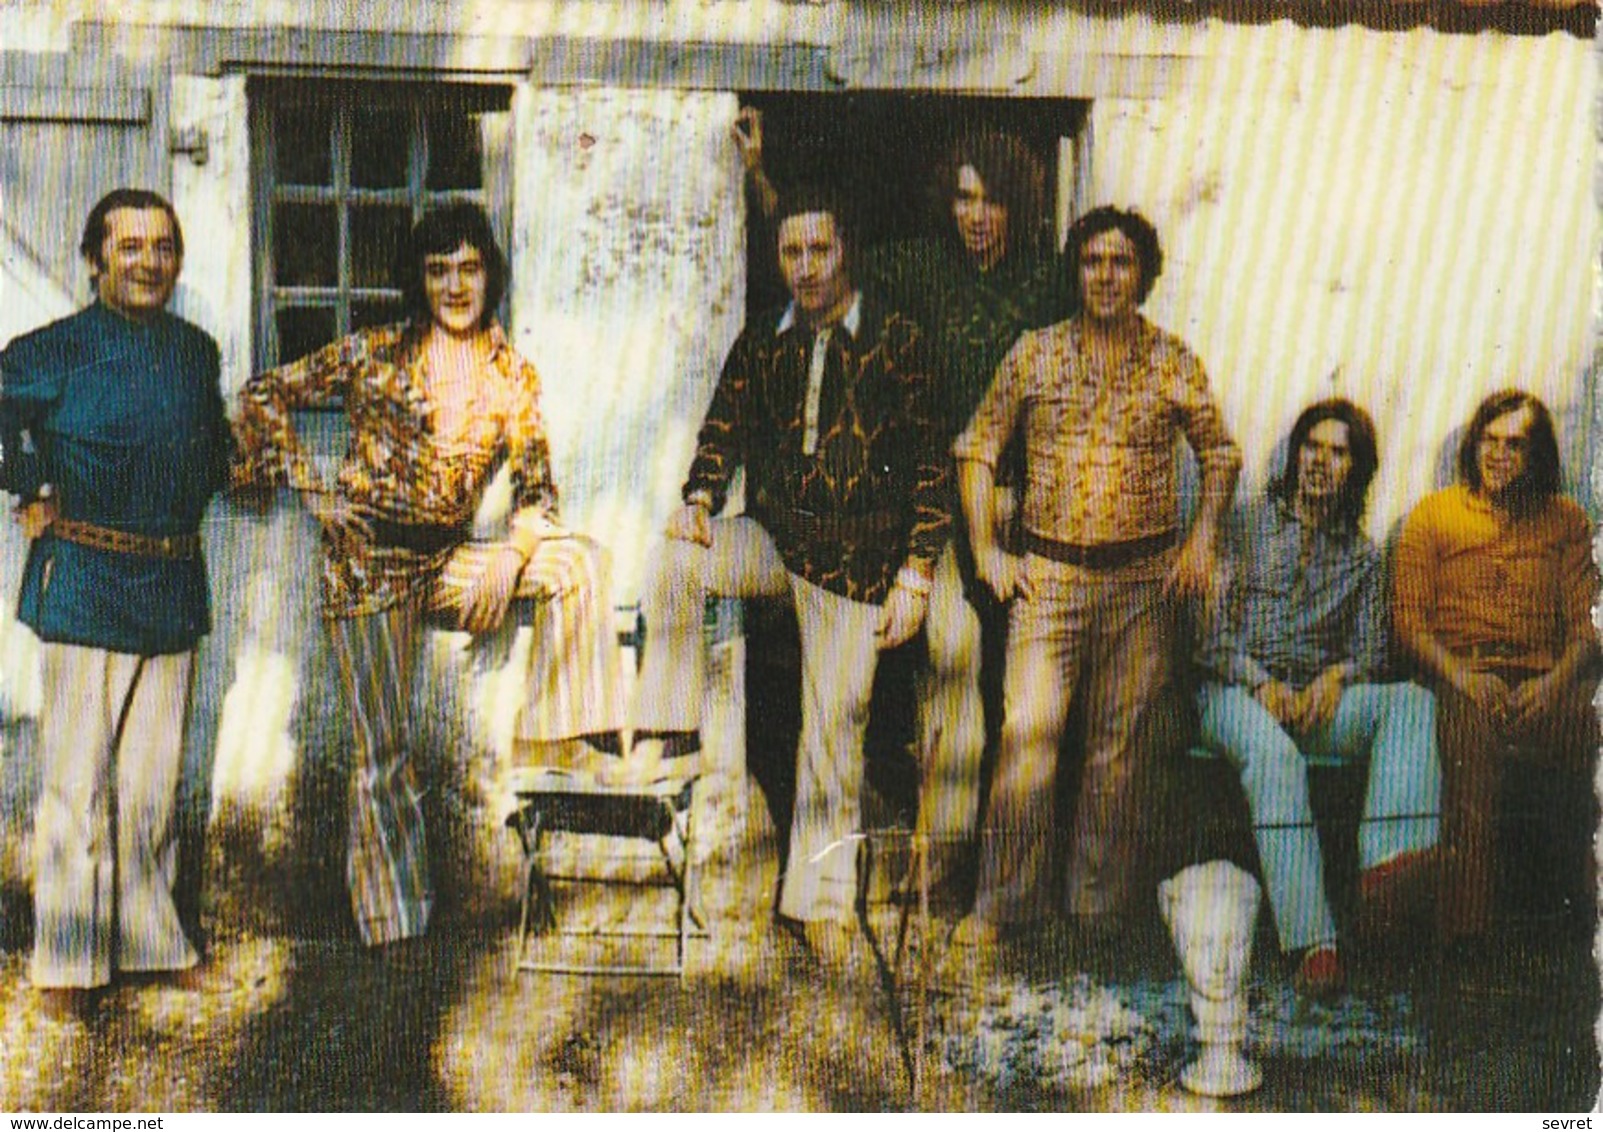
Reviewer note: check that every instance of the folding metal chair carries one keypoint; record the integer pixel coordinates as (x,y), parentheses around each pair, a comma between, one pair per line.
(553,801)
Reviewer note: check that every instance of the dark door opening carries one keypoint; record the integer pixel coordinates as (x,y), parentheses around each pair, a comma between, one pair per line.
(880,150)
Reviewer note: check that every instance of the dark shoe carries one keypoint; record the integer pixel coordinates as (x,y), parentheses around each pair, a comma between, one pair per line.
(1392,894)
(69,1005)
(1320,974)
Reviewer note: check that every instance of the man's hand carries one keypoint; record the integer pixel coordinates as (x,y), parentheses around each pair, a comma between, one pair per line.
(1316,704)
(1278,700)
(341,519)
(485,599)
(1003,573)
(35,518)
(691,523)
(748,134)
(1486,692)
(1195,571)
(1535,698)
(900,618)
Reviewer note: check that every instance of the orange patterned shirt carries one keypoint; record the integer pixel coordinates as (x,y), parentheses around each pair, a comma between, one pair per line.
(1099,452)
(410,458)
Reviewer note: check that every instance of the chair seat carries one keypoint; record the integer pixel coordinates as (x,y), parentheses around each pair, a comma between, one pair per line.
(558,800)
(574,802)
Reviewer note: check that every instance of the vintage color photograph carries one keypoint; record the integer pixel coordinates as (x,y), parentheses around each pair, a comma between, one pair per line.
(802,555)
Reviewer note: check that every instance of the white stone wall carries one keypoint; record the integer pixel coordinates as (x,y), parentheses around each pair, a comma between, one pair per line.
(628,288)
(1404,219)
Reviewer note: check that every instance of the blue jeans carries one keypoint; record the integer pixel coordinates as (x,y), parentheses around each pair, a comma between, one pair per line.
(1393,724)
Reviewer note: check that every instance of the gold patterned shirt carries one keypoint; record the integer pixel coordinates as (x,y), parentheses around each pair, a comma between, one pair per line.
(1099,453)
(410,457)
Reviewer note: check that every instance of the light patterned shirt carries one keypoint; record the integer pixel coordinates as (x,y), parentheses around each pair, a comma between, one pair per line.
(412,459)
(1099,453)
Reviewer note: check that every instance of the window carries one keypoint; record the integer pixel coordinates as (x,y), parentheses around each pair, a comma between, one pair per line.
(341,172)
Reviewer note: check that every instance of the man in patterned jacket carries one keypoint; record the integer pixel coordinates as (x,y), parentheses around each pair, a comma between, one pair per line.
(830,409)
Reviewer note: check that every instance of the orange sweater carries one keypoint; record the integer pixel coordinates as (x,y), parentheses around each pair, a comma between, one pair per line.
(1512,591)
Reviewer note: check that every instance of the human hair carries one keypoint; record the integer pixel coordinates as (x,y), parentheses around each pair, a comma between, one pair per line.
(1361,448)
(1137,228)
(1012,176)
(807,198)
(441,231)
(92,246)
(1541,478)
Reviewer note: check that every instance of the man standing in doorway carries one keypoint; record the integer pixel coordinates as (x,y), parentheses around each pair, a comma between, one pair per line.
(114,438)
(1101,400)
(829,408)
(985,275)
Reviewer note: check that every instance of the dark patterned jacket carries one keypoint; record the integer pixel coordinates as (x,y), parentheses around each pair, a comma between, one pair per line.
(872,497)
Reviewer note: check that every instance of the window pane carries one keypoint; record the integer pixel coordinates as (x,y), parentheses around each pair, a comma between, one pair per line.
(379,146)
(376,235)
(302,141)
(456,151)
(375,314)
(305,245)
(302,330)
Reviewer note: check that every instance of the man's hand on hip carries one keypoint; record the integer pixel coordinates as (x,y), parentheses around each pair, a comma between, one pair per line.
(35,518)
(1195,571)
(1003,573)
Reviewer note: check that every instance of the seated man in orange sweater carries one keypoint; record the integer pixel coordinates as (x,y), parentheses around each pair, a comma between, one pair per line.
(1493,598)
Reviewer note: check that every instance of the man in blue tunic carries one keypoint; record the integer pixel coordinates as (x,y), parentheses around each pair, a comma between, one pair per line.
(114,439)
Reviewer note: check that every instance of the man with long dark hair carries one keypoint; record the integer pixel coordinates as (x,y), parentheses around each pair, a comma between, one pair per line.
(112,434)
(433,401)
(1493,599)
(1294,666)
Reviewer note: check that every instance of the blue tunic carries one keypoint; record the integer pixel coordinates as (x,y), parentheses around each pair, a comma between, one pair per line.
(125,420)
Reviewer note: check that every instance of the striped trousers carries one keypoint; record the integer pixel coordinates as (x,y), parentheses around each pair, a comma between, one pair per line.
(570,690)
(111,739)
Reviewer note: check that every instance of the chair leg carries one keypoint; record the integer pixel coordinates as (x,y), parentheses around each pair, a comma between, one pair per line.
(535,889)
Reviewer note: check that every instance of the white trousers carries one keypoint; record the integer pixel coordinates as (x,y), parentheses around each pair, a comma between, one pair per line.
(839,656)
(111,737)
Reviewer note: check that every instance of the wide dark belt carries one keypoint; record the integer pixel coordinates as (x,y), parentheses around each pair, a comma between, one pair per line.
(853,530)
(419,538)
(125,542)
(1102,555)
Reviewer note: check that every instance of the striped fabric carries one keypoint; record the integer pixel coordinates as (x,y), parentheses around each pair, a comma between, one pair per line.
(111,734)
(570,690)
(387,864)
(573,683)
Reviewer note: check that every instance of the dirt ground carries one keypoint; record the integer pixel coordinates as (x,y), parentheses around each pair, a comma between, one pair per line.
(300,1017)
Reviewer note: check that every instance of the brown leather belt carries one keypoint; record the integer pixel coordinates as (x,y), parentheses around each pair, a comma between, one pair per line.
(1103,555)
(125,542)
(419,538)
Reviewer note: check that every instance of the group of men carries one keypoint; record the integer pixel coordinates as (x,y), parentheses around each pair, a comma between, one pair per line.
(828,405)
(874,424)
